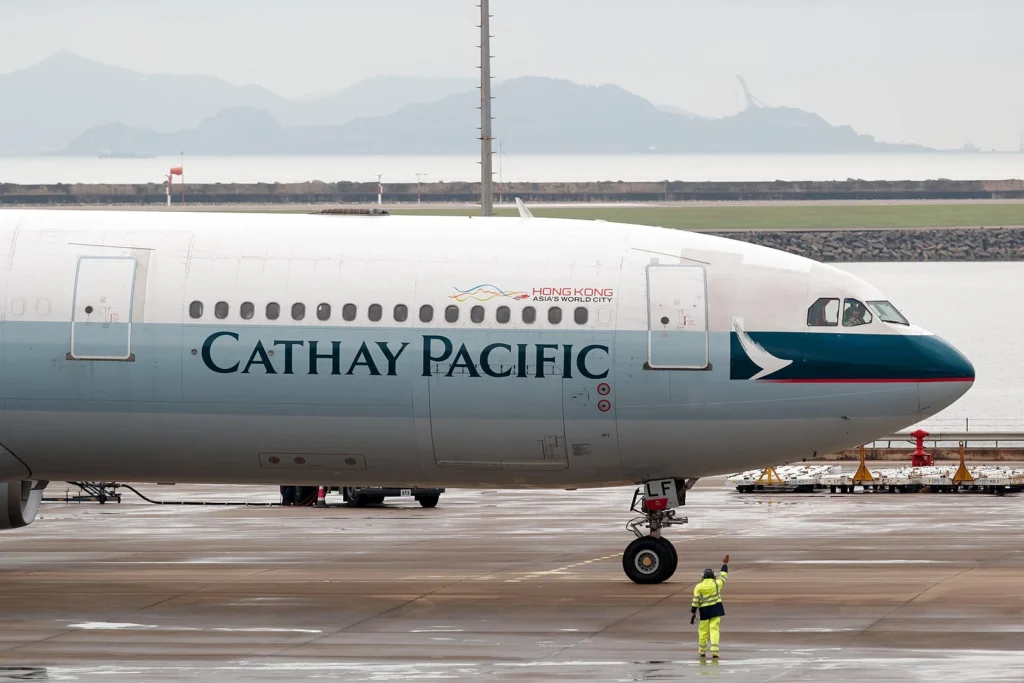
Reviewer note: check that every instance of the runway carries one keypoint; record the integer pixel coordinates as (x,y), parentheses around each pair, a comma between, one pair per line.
(512,586)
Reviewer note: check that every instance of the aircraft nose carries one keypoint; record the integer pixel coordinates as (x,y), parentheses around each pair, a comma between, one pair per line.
(945,375)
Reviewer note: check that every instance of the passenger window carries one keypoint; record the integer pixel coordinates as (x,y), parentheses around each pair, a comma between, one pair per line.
(451,314)
(823,313)
(580,315)
(221,310)
(348,312)
(375,312)
(554,315)
(195,310)
(273,311)
(503,314)
(246,310)
(298,311)
(323,312)
(426,313)
(855,313)
(401,313)
(529,315)
(476,314)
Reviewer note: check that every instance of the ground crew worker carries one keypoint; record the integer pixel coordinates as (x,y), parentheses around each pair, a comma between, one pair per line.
(707,597)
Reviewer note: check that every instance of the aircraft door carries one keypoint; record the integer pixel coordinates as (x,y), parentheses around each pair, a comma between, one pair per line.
(509,419)
(101,321)
(677,317)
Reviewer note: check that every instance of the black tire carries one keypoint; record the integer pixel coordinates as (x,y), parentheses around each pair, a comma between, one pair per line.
(429,501)
(675,555)
(647,560)
(374,500)
(355,500)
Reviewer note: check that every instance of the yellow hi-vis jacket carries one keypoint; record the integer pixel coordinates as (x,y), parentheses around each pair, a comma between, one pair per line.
(707,596)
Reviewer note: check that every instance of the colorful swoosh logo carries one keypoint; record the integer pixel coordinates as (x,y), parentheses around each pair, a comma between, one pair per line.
(486,293)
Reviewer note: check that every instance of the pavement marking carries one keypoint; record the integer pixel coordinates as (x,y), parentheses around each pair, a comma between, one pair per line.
(549,572)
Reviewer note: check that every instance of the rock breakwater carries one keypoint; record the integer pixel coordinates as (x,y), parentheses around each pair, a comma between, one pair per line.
(931,244)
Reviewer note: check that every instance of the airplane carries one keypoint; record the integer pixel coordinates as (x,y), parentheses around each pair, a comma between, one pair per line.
(437,351)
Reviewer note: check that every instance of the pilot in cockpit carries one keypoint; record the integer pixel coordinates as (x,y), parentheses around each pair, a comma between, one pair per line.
(855,314)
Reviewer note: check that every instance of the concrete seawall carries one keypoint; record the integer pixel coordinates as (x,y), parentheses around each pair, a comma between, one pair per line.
(927,244)
(347,192)
(840,245)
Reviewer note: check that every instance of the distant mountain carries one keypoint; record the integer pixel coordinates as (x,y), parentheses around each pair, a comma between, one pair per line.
(678,110)
(377,96)
(73,105)
(58,98)
(534,115)
(48,105)
(232,131)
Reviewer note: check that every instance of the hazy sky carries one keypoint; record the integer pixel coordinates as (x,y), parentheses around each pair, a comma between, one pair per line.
(938,72)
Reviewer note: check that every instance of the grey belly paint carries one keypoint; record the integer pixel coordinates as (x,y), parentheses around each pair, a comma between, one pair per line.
(487,407)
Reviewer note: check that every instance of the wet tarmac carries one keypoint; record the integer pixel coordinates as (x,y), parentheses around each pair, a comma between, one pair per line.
(512,586)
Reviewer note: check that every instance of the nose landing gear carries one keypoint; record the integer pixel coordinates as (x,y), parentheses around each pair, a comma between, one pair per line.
(651,558)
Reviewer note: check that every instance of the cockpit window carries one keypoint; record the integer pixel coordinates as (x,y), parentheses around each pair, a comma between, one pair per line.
(855,313)
(887,313)
(823,313)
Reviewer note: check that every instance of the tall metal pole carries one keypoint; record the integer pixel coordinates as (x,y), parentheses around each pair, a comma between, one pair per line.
(380,189)
(486,172)
(418,176)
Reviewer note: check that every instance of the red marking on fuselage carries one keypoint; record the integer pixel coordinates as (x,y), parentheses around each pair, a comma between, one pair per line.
(885,380)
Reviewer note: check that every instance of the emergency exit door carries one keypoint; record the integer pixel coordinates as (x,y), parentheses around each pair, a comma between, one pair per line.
(101,321)
(677,317)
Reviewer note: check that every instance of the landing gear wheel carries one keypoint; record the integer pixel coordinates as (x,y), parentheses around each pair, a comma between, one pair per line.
(354,499)
(649,560)
(675,555)
(374,500)
(429,501)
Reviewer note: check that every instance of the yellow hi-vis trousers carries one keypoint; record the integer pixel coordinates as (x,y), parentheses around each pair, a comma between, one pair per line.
(709,630)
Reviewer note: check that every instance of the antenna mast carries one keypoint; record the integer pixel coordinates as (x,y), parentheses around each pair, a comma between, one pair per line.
(486,171)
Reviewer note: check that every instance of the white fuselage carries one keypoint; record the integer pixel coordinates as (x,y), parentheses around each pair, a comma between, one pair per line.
(418,350)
